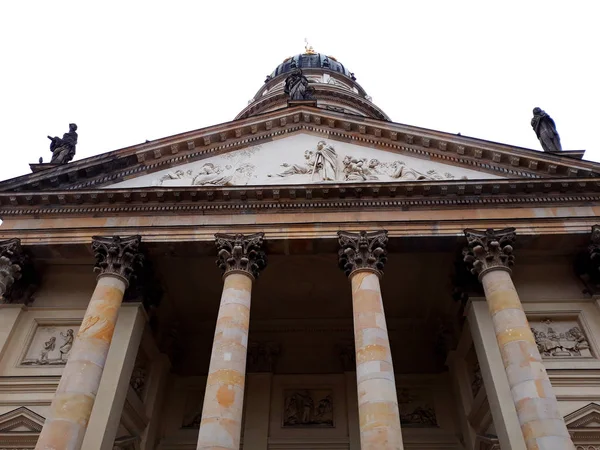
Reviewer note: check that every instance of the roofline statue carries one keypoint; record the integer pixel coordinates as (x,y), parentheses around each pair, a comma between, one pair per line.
(63,150)
(297,86)
(545,130)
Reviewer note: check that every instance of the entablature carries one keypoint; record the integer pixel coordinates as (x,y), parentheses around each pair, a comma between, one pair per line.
(351,196)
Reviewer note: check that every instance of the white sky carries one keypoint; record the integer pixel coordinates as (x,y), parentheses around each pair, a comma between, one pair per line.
(127,71)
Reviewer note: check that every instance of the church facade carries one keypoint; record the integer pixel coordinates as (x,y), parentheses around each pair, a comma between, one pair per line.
(376,286)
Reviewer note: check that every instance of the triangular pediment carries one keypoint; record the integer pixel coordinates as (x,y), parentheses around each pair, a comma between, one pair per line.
(586,418)
(21,420)
(302,159)
(420,150)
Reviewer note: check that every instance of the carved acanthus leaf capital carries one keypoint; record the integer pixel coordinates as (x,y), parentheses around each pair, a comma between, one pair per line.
(362,251)
(594,247)
(11,263)
(241,253)
(117,256)
(489,249)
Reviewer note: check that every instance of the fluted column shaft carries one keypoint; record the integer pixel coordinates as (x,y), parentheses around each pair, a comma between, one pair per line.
(72,404)
(542,424)
(362,257)
(221,425)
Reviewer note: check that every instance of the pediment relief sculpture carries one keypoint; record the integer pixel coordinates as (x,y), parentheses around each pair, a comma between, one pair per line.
(324,164)
(212,174)
(303,159)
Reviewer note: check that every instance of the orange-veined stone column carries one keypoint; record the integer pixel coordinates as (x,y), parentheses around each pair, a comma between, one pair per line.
(362,257)
(241,258)
(72,404)
(490,254)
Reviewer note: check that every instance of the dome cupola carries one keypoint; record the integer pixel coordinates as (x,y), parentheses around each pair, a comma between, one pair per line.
(332,86)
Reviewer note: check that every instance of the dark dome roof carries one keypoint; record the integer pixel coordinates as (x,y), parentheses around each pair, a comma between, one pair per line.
(311,61)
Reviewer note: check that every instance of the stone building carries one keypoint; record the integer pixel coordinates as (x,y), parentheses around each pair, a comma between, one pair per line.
(484,332)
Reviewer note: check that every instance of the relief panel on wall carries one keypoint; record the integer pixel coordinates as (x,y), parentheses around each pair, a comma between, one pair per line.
(560,338)
(416,408)
(308,408)
(50,345)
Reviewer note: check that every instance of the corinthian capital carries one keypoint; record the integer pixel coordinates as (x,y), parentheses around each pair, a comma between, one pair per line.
(11,263)
(489,249)
(241,253)
(116,255)
(594,247)
(362,251)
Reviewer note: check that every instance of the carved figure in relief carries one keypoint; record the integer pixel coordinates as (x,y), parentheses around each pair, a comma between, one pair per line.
(300,409)
(298,169)
(552,343)
(357,169)
(325,162)
(67,345)
(177,175)
(49,346)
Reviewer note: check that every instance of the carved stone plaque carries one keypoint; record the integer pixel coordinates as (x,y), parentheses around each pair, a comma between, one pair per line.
(51,345)
(308,408)
(562,338)
(416,408)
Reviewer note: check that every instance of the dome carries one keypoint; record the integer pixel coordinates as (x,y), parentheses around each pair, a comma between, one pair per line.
(332,87)
(311,61)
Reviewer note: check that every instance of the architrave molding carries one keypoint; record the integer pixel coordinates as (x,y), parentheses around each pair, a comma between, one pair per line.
(350,196)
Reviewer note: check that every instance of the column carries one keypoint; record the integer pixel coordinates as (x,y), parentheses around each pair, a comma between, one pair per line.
(496,385)
(11,262)
(490,254)
(72,404)
(362,257)
(241,258)
(112,392)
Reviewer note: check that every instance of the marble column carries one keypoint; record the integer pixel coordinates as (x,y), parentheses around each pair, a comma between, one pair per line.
(489,253)
(241,258)
(362,257)
(72,404)
(11,261)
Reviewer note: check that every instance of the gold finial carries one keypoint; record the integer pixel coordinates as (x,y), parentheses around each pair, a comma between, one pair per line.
(308,49)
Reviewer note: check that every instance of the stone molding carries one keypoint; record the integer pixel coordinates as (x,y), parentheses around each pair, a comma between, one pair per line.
(439,195)
(362,251)
(489,250)
(11,263)
(117,256)
(241,253)
(187,147)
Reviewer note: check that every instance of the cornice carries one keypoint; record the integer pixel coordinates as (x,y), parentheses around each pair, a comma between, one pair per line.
(421,143)
(351,196)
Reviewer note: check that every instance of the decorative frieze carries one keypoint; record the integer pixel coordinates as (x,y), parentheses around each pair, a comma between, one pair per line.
(116,255)
(362,251)
(241,253)
(489,249)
